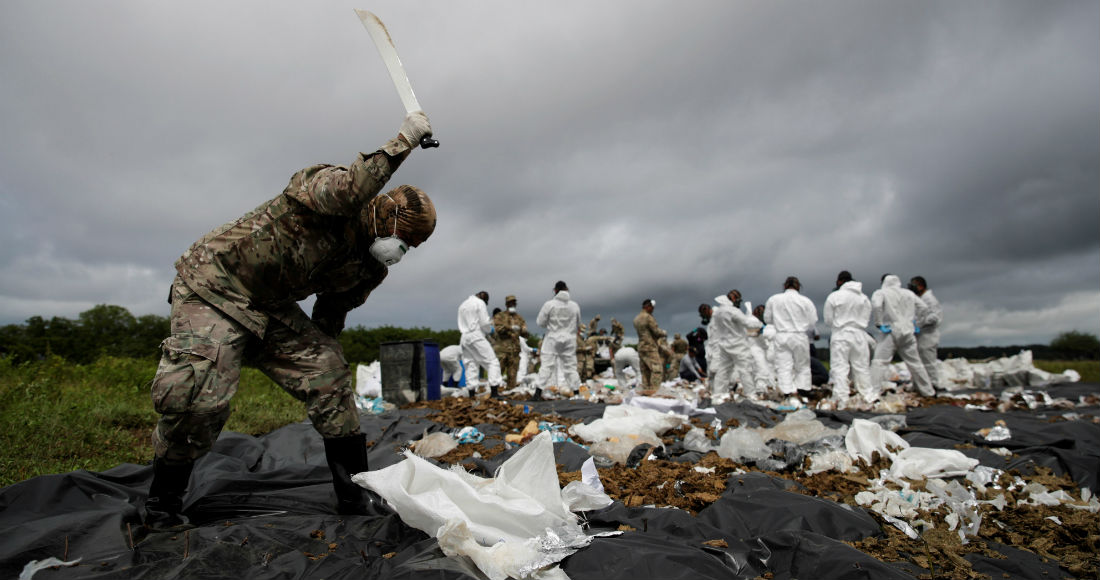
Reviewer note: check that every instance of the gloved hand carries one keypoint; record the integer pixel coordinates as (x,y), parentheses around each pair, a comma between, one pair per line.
(885,328)
(916,329)
(515,327)
(414,127)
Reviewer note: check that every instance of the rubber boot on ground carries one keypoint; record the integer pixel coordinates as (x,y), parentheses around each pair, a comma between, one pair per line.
(164,506)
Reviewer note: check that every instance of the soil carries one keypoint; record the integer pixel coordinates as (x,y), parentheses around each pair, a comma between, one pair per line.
(1066,536)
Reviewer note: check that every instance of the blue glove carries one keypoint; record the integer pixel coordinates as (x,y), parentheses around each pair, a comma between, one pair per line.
(885,328)
(916,329)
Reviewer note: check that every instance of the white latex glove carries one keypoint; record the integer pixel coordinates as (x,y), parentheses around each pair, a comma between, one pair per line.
(414,127)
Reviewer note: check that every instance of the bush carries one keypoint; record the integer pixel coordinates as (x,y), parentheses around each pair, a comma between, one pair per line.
(1074,345)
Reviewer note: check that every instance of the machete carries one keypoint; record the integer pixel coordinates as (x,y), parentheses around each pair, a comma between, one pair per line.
(388,51)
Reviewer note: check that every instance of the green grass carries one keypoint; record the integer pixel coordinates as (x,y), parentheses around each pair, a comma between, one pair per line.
(1088,369)
(57,417)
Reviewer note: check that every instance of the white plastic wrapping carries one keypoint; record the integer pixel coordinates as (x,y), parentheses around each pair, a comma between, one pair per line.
(922,462)
(865,437)
(521,507)
(743,443)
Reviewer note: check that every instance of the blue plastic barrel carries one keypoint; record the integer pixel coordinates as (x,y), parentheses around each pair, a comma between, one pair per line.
(433,370)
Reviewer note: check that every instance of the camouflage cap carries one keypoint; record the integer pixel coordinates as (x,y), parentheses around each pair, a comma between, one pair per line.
(414,211)
(509,298)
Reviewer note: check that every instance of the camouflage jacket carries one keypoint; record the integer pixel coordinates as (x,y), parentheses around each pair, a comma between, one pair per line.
(508,339)
(306,241)
(648,331)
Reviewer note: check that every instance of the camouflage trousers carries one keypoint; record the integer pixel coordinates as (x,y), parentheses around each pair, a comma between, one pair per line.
(653,368)
(200,368)
(509,366)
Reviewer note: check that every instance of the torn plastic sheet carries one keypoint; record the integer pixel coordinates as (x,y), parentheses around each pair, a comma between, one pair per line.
(865,438)
(510,525)
(921,462)
(34,566)
(679,405)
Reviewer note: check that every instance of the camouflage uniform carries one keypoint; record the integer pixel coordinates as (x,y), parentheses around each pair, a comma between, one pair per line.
(585,362)
(236,294)
(616,336)
(507,344)
(592,344)
(649,353)
(679,346)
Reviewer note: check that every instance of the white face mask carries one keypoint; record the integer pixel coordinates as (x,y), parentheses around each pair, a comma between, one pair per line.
(511,309)
(390,249)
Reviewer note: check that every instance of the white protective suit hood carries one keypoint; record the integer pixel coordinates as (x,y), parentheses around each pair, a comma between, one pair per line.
(895,305)
(856,286)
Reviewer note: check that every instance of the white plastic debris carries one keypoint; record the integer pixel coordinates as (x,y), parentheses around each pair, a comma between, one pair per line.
(512,525)
(34,566)
(368,380)
(743,443)
(995,433)
(588,493)
(434,444)
(696,440)
(922,462)
(830,461)
(866,437)
(801,427)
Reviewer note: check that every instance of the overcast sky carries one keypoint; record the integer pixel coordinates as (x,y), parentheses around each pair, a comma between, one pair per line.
(634,149)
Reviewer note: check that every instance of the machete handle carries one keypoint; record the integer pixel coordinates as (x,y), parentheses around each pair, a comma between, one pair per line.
(426,142)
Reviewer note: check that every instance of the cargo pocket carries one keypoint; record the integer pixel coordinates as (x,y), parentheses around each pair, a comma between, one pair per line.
(186,372)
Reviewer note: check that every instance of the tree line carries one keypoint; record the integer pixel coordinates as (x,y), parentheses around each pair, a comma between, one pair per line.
(112,331)
(107,330)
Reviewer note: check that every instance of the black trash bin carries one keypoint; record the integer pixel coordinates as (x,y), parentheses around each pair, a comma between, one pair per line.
(405,375)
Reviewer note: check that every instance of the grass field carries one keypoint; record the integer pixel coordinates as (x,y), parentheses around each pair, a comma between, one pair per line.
(57,417)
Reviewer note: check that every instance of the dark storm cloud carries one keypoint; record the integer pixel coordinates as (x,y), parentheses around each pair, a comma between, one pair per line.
(634,149)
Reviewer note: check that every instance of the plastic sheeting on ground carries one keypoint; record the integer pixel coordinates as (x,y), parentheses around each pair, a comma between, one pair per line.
(263,507)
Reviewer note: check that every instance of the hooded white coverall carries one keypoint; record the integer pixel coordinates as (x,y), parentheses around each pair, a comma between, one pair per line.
(898,307)
(729,339)
(848,312)
(473,323)
(448,359)
(627,357)
(928,340)
(561,317)
(795,319)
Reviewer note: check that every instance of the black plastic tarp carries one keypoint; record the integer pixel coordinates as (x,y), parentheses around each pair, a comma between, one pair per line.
(263,509)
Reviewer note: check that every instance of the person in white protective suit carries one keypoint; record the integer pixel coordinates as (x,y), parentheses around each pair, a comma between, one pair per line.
(626,357)
(761,345)
(449,359)
(561,317)
(526,352)
(477,353)
(894,309)
(848,313)
(795,320)
(731,360)
(928,329)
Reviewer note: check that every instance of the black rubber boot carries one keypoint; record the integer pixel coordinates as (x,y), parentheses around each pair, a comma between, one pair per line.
(347,456)
(164,506)
(494,392)
(538,395)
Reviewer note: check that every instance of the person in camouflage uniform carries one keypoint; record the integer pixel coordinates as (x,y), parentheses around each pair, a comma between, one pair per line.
(679,346)
(586,355)
(668,358)
(235,296)
(649,352)
(510,329)
(616,336)
(592,344)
